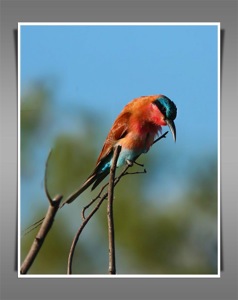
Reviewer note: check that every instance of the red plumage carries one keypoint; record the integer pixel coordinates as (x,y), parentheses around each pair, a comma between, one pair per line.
(140,118)
(134,130)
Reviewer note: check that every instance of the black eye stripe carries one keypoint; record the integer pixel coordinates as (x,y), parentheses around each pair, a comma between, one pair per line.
(169,111)
(159,105)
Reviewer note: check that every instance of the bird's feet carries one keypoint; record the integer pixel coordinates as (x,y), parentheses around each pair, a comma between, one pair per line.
(130,163)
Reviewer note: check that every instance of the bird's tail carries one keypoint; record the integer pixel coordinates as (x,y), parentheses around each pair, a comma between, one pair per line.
(99,173)
(94,178)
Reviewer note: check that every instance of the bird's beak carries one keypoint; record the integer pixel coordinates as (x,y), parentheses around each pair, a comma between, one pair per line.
(172,127)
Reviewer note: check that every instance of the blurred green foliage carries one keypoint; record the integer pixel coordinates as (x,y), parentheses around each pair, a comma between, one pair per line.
(178,238)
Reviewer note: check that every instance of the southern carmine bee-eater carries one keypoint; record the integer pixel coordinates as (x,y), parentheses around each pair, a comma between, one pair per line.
(134,130)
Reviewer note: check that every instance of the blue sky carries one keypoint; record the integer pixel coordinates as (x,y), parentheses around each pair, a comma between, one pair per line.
(107,66)
(103,67)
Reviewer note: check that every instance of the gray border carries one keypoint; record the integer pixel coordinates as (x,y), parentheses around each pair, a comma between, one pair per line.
(17,36)
(13,12)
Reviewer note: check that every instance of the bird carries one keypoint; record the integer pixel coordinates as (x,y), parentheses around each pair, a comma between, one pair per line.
(134,129)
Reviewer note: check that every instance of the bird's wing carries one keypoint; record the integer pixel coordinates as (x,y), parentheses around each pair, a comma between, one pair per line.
(118,131)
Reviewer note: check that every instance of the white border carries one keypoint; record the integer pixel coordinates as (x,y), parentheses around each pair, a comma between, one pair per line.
(218,275)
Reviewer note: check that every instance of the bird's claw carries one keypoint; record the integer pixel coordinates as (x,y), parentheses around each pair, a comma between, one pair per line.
(130,163)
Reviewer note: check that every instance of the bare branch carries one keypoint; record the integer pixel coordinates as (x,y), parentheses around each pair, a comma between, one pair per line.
(40,237)
(110,219)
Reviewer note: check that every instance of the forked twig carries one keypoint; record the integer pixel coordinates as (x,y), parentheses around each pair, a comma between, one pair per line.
(45,226)
(102,198)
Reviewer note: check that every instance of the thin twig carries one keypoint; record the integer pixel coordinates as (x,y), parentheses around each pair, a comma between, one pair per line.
(135,173)
(32,227)
(75,240)
(110,219)
(45,179)
(92,201)
(161,137)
